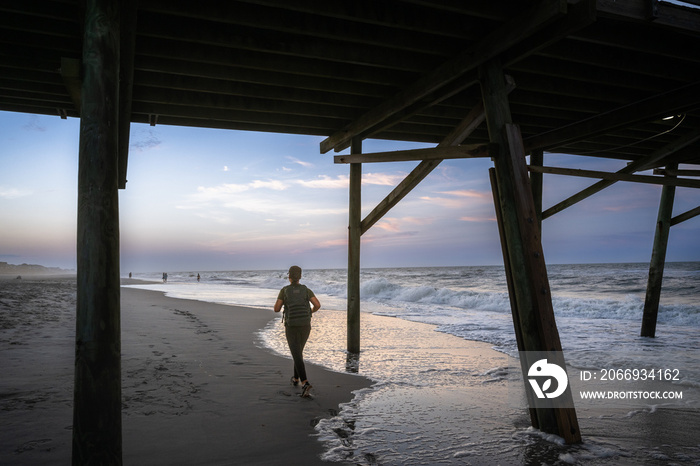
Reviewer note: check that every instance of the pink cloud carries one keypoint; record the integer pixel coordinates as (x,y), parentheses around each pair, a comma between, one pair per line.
(478,219)
(468,193)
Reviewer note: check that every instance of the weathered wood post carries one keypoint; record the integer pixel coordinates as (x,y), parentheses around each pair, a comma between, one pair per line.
(658,259)
(97,428)
(533,315)
(537,160)
(354,234)
(511,289)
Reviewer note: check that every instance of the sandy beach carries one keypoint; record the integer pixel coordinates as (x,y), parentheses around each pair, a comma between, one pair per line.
(196,387)
(200,387)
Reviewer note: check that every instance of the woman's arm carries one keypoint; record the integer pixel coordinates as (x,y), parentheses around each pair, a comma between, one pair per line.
(317,305)
(278,305)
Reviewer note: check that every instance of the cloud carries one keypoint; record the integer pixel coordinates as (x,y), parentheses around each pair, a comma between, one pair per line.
(458,199)
(382,179)
(468,193)
(342,181)
(34,125)
(394,236)
(478,219)
(267,239)
(619,208)
(13,193)
(326,182)
(217,192)
(300,162)
(258,197)
(226,168)
(388,224)
(418,221)
(444,202)
(396,224)
(320,211)
(332,243)
(275,185)
(223,191)
(148,139)
(629,205)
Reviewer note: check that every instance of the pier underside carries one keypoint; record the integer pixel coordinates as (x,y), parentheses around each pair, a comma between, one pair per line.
(510,80)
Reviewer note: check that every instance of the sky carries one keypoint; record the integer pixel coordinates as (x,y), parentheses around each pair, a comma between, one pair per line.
(204,199)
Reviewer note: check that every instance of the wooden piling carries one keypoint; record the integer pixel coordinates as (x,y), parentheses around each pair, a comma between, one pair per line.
(97,428)
(529,282)
(537,160)
(511,289)
(658,258)
(354,234)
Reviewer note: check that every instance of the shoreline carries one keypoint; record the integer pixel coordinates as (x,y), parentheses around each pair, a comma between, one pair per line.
(196,388)
(238,394)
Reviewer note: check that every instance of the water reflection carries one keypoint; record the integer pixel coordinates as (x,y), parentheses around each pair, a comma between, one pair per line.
(352,363)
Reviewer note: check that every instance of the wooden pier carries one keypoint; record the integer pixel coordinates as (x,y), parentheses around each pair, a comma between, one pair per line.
(511,80)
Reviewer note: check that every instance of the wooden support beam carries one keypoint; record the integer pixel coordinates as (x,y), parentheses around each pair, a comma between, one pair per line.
(644,10)
(525,259)
(512,32)
(127,37)
(578,16)
(667,171)
(658,259)
(661,13)
(648,179)
(519,337)
(402,189)
(97,427)
(536,182)
(70,72)
(354,236)
(685,216)
(412,155)
(686,155)
(472,121)
(467,125)
(423,105)
(655,107)
(641,164)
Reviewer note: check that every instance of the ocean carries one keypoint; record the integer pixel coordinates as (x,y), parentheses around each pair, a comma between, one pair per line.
(414,413)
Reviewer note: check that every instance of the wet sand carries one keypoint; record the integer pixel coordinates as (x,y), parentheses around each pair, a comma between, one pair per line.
(442,399)
(196,387)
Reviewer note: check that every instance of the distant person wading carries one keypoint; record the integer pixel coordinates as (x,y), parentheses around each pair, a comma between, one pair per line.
(297,322)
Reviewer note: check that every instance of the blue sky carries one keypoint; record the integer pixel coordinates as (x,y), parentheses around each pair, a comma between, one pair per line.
(201,199)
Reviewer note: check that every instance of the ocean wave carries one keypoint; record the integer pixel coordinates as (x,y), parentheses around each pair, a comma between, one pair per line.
(625,307)
(594,292)
(382,289)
